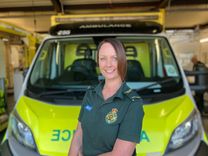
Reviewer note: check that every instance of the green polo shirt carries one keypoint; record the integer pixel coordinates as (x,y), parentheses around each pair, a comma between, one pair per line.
(103,121)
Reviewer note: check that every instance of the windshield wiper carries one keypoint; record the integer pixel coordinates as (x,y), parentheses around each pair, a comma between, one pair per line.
(157,83)
(57,92)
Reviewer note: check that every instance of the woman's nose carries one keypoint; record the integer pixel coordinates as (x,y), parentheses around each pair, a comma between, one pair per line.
(109,62)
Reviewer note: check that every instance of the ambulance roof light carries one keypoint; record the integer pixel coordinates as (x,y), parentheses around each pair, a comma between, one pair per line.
(157,16)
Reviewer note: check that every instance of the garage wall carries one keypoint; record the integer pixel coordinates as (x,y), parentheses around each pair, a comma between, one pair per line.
(186,43)
(204,46)
(2,60)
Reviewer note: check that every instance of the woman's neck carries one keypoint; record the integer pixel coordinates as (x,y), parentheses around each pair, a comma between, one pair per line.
(110,84)
(110,88)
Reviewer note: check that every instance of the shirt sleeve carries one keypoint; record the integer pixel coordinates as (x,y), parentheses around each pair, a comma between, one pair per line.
(131,126)
(82,107)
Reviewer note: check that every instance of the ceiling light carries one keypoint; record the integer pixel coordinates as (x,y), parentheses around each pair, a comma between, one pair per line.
(5,39)
(203,40)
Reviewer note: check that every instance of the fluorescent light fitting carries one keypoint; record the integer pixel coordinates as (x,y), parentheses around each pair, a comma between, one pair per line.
(5,39)
(203,40)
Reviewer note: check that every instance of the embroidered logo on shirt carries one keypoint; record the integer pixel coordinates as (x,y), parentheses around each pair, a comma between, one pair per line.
(111,117)
(88,107)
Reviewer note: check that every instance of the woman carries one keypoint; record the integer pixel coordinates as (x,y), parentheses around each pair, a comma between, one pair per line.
(111,116)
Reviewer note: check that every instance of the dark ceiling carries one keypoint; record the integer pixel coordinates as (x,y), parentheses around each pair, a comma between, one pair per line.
(59,6)
(180,14)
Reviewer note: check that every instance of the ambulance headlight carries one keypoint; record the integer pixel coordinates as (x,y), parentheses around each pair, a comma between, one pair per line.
(184,132)
(20,131)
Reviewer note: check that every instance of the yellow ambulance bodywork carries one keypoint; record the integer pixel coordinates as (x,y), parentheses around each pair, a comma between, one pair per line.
(53,126)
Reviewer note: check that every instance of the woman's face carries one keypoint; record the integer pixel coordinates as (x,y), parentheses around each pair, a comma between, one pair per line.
(108,62)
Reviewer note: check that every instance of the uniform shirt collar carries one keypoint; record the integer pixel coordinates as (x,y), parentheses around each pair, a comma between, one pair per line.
(120,93)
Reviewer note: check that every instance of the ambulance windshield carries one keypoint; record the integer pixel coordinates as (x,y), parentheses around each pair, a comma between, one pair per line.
(70,63)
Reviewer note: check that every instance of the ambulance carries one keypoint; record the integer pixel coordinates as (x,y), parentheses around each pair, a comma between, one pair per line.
(45,116)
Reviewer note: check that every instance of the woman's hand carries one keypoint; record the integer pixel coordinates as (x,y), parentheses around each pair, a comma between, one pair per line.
(80,153)
(121,148)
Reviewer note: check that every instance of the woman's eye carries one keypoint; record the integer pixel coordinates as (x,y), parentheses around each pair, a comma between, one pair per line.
(102,59)
(115,58)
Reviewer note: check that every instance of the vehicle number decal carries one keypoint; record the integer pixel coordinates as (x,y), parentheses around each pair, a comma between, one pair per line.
(66,135)
(62,135)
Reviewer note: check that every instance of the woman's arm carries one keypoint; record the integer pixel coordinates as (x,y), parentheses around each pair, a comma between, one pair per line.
(76,144)
(121,148)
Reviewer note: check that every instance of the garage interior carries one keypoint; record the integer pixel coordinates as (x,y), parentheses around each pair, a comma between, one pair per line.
(186,26)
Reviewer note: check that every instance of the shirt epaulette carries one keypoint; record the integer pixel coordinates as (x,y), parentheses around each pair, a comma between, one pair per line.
(132,95)
(91,88)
